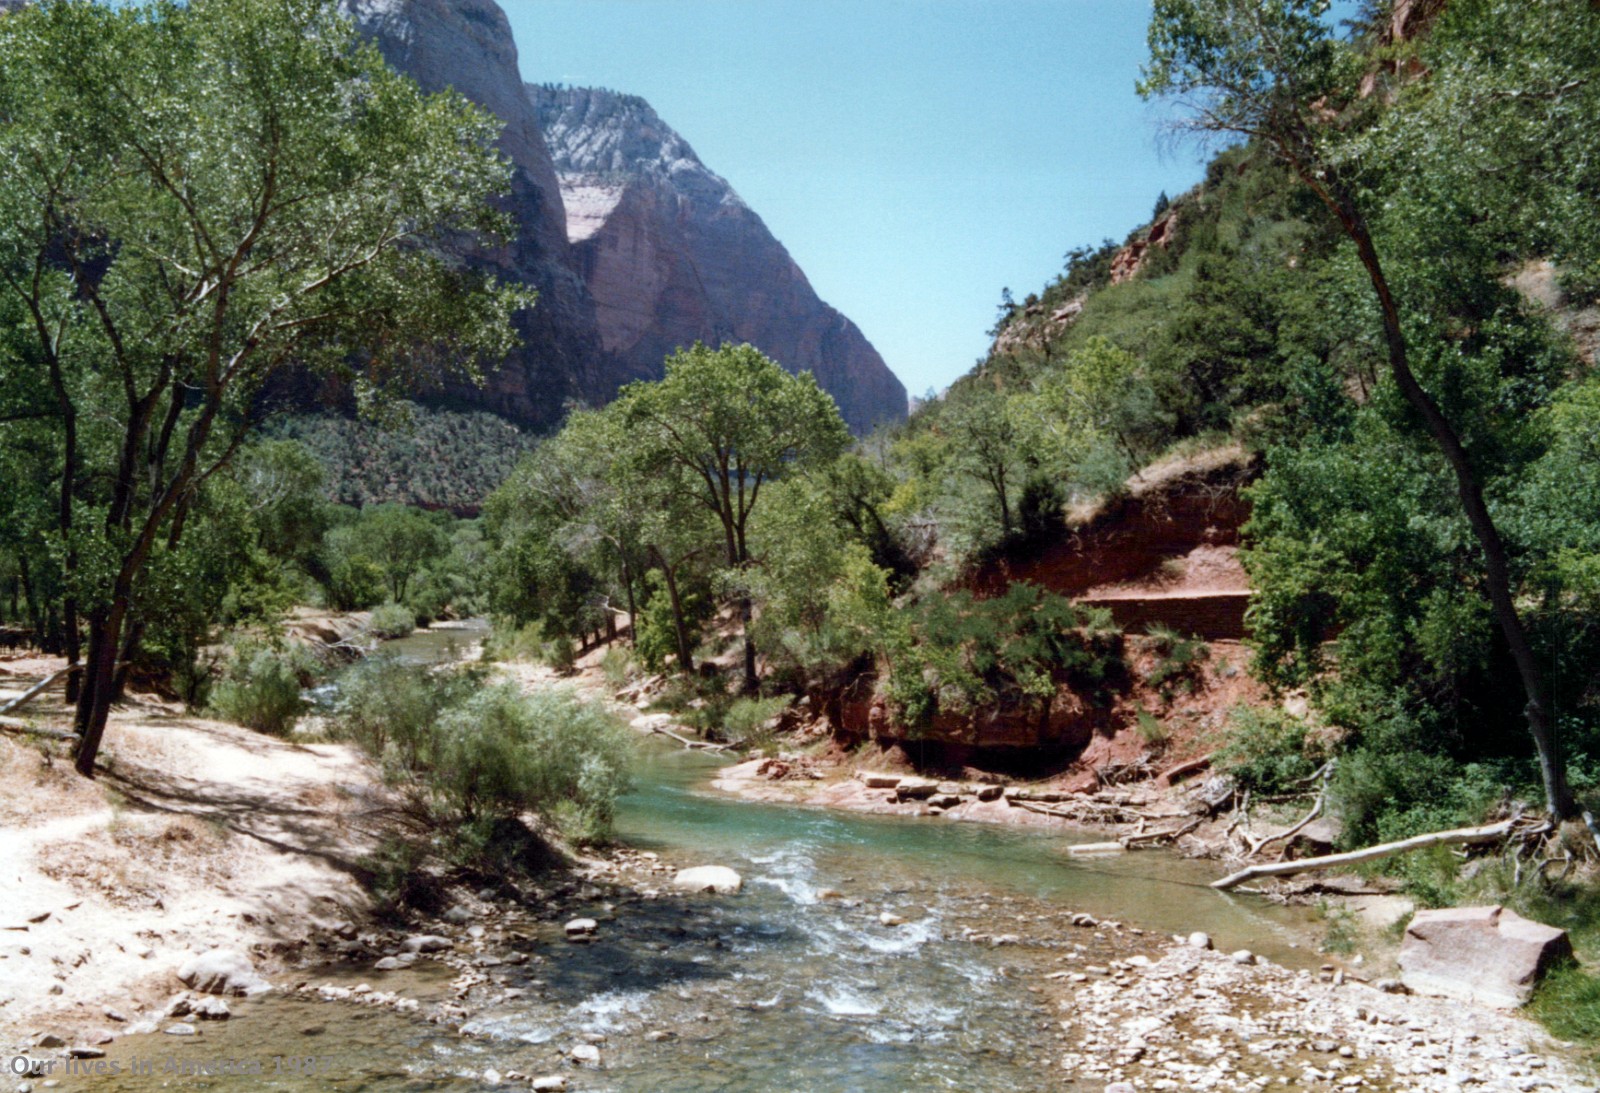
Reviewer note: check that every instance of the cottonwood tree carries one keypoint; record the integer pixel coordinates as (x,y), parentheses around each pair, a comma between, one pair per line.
(719,426)
(192,198)
(1273,71)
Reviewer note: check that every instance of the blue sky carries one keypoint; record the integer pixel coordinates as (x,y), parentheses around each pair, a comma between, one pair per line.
(914,157)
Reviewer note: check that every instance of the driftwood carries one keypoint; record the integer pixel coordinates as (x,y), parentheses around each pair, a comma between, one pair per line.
(693,745)
(38,689)
(1326,773)
(1468,835)
(1151,838)
(17,725)
(1181,769)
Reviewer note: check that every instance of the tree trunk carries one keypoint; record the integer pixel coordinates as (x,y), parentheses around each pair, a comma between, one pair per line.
(1497,579)
(94,701)
(130,649)
(685,658)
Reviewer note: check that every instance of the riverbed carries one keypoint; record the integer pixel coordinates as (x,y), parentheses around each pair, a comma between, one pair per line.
(795,983)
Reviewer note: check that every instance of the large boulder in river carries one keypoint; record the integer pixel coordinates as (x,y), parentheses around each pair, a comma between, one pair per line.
(222,971)
(708,878)
(1479,954)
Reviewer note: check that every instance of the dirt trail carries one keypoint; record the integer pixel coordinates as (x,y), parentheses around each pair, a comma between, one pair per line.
(196,835)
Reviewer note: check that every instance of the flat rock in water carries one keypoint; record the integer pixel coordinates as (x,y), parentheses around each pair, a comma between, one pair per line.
(708,878)
(582,927)
(1479,954)
(222,971)
(550,1083)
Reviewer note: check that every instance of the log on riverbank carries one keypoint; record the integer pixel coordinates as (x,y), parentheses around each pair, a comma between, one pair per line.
(1487,833)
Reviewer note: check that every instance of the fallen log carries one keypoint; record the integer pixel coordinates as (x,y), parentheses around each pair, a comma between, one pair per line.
(1181,769)
(17,725)
(693,745)
(1469,835)
(1150,838)
(38,689)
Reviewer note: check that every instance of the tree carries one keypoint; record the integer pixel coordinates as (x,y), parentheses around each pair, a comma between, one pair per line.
(1271,70)
(192,198)
(718,427)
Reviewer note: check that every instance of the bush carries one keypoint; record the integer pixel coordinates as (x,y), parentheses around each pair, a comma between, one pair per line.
(1178,659)
(481,755)
(1268,750)
(966,653)
(389,708)
(616,664)
(745,721)
(502,752)
(261,687)
(392,620)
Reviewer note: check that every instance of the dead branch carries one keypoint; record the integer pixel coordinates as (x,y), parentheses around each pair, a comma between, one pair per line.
(17,725)
(693,745)
(1467,835)
(37,689)
(1153,837)
(1181,769)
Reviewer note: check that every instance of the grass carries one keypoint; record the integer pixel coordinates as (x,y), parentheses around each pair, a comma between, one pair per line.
(1151,730)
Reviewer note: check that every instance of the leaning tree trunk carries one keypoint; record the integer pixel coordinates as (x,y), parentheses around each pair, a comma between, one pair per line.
(1497,578)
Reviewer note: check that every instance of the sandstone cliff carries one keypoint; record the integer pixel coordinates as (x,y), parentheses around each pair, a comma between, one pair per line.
(467,45)
(672,256)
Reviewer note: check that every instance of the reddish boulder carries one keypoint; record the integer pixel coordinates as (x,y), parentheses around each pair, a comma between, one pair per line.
(1479,954)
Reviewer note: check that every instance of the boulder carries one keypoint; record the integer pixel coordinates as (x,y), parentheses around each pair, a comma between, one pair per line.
(581,927)
(426,943)
(989,792)
(1479,954)
(878,781)
(708,878)
(222,971)
(916,789)
(550,1083)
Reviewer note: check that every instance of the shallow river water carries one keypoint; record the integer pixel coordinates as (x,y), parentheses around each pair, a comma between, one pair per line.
(782,987)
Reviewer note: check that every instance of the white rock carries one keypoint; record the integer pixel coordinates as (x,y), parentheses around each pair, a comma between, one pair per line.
(222,971)
(708,878)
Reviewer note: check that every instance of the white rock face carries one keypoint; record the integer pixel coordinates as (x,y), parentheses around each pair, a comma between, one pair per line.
(222,971)
(708,878)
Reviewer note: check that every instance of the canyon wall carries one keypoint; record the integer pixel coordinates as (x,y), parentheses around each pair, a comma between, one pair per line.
(672,255)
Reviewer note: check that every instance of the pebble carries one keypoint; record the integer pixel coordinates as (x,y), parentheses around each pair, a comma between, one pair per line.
(182,1028)
(550,1083)
(585,1053)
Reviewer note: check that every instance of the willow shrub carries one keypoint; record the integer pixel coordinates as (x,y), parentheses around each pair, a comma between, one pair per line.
(481,755)
(261,688)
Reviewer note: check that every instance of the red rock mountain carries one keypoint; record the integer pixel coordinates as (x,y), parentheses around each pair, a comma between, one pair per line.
(663,253)
(672,255)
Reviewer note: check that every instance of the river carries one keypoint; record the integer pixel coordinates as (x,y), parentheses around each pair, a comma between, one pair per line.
(794,984)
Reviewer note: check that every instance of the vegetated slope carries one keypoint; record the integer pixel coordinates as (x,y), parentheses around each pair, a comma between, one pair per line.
(1164,553)
(673,256)
(436,459)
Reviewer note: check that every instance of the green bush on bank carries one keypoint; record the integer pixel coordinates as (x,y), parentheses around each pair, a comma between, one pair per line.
(392,620)
(479,755)
(261,687)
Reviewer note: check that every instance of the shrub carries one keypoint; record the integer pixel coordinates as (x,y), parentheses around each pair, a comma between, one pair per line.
(392,620)
(389,708)
(616,664)
(1268,750)
(261,687)
(745,721)
(1151,729)
(502,752)
(481,755)
(965,653)
(1178,659)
